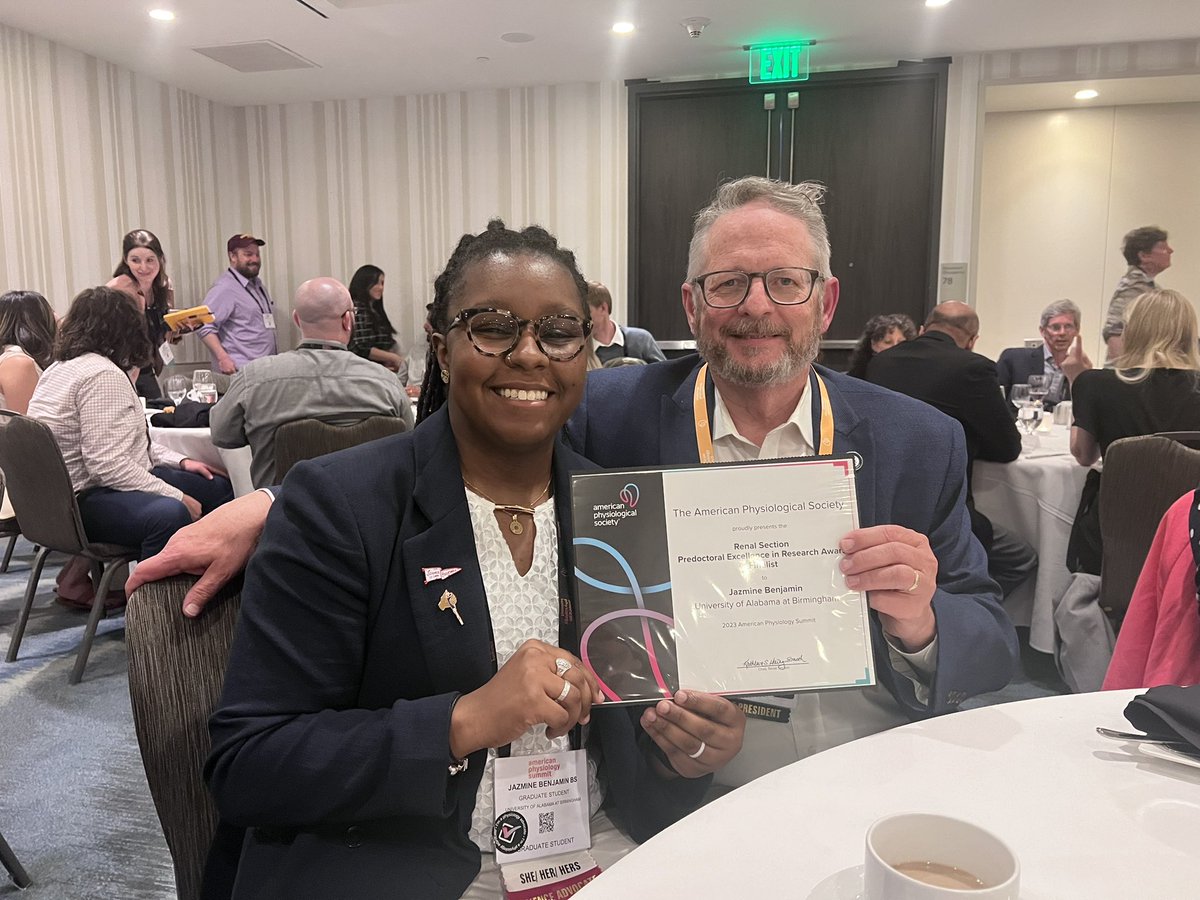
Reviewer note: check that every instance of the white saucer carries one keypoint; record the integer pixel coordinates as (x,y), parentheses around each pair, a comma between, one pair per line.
(844,885)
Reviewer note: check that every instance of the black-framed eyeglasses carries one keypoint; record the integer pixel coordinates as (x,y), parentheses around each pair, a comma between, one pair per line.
(495,332)
(786,286)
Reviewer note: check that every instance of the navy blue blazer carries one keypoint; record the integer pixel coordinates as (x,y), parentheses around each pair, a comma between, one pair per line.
(331,738)
(913,474)
(1016,364)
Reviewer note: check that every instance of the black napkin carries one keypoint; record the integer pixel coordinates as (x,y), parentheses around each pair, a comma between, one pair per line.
(1168,712)
(188,414)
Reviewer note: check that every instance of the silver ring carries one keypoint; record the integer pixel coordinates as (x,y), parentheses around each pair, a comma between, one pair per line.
(562,695)
(696,755)
(916,583)
(561,667)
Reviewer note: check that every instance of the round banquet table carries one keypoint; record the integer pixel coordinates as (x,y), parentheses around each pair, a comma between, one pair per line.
(1088,817)
(196,443)
(1035,496)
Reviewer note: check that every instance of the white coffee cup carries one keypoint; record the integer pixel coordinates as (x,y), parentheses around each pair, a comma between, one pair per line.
(921,842)
(1062,413)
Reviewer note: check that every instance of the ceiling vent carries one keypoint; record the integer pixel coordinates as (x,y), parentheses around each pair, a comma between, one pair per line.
(256,56)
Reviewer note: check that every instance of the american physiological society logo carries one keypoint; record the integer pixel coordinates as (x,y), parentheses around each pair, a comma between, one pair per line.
(610,514)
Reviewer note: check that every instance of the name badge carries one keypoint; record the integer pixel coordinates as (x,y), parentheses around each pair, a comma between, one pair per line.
(166,354)
(269,321)
(768,712)
(541,806)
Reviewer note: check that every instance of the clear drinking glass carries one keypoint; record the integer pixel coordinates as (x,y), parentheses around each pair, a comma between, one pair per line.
(177,386)
(204,385)
(1028,416)
(1038,385)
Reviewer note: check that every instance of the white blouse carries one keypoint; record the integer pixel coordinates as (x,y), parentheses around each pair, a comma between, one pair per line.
(521,607)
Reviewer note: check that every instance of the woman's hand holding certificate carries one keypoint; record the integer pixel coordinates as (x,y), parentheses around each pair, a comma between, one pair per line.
(898,570)
(698,732)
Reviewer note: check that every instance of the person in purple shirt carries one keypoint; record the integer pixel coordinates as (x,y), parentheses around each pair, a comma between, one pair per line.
(244,326)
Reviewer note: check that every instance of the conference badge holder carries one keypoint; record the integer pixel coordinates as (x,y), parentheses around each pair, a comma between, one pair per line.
(541,806)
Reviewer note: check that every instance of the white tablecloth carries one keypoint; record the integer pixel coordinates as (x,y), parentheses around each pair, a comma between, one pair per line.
(1088,817)
(196,443)
(1036,496)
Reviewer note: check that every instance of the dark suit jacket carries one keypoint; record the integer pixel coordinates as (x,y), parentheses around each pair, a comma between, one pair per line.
(963,385)
(912,474)
(1016,364)
(331,739)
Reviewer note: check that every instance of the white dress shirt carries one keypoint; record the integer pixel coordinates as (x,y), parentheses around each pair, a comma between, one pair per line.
(819,719)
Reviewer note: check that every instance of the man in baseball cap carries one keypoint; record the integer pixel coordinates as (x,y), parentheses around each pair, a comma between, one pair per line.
(243,326)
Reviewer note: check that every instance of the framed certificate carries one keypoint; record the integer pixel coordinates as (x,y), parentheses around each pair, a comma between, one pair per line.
(720,578)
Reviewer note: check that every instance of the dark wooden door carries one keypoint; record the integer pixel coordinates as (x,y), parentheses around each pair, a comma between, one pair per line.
(873,137)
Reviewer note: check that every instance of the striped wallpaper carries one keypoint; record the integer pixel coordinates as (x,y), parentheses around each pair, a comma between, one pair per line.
(89,150)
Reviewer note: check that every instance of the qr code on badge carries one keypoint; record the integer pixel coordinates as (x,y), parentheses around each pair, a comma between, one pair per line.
(545,822)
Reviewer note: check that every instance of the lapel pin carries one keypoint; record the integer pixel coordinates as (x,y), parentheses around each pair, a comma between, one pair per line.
(438,573)
(449,602)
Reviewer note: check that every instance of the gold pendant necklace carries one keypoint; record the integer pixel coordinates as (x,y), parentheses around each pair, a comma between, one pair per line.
(513,509)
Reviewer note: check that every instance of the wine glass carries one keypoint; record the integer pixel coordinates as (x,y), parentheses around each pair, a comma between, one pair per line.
(1038,386)
(1021,398)
(177,386)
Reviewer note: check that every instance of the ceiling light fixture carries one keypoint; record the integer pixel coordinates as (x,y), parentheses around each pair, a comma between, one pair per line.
(936,2)
(1086,94)
(162,15)
(622,27)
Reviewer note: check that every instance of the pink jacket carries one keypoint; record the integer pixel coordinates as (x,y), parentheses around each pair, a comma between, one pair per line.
(1159,641)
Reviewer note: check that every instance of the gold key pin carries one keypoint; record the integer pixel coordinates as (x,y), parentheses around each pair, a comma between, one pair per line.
(450,602)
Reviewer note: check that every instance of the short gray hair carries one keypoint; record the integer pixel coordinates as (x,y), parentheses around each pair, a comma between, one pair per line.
(801,201)
(1060,308)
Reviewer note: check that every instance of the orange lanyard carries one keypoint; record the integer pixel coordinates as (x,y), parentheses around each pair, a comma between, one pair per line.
(822,414)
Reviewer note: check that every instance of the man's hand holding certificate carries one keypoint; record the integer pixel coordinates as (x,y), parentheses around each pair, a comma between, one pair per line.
(730,579)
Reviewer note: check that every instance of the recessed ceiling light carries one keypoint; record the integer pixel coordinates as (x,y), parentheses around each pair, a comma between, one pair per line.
(163,15)
(622,27)
(516,37)
(1086,94)
(936,2)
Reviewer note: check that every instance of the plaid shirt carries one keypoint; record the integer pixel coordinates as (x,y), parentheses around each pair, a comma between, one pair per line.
(97,420)
(370,330)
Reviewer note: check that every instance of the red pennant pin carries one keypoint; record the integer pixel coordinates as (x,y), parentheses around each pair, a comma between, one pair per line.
(437,573)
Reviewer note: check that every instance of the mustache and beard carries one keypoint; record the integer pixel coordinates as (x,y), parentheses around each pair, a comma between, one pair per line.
(799,351)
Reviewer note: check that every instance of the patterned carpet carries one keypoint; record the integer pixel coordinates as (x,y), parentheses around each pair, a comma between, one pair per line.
(73,798)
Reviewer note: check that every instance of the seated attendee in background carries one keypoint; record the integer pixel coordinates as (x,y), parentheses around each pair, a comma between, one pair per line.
(374,337)
(26,343)
(1154,386)
(142,274)
(939,368)
(131,491)
(359,700)
(1059,357)
(1159,642)
(880,333)
(614,341)
(320,379)
(1147,253)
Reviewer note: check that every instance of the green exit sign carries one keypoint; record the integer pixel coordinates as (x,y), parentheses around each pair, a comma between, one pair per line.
(779,62)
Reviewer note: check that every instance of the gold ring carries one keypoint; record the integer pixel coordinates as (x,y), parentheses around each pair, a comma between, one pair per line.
(916,582)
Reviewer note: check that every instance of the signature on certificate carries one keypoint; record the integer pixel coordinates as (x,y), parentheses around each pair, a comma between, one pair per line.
(774,662)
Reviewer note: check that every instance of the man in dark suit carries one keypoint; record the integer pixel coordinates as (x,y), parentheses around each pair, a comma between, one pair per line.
(939,368)
(758,297)
(1059,357)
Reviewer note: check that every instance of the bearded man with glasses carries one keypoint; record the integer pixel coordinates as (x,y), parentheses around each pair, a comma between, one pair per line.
(758,296)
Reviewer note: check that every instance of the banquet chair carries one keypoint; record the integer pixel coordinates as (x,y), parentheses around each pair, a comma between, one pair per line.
(176,667)
(11,529)
(45,504)
(10,862)
(1187,438)
(1143,476)
(310,438)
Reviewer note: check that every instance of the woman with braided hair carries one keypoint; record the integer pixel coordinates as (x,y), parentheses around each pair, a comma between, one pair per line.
(402,626)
